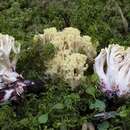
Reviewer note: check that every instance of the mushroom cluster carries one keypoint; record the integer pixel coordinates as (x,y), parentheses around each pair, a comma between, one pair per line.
(8,47)
(12,84)
(73,53)
(112,65)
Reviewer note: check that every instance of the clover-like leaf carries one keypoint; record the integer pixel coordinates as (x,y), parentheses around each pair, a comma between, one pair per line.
(103,126)
(91,91)
(58,106)
(98,105)
(43,118)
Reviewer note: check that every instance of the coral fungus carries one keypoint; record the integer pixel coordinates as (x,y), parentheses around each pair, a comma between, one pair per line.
(73,53)
(112,66)
(12,84)
(8,46)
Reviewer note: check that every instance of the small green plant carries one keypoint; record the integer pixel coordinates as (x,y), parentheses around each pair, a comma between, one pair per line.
(57,106)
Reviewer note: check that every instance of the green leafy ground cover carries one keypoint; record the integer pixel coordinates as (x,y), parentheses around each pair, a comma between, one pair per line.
(58,107)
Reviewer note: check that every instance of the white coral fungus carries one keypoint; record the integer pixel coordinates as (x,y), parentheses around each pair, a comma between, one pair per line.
(73,53)
(112,66)
(8,46)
